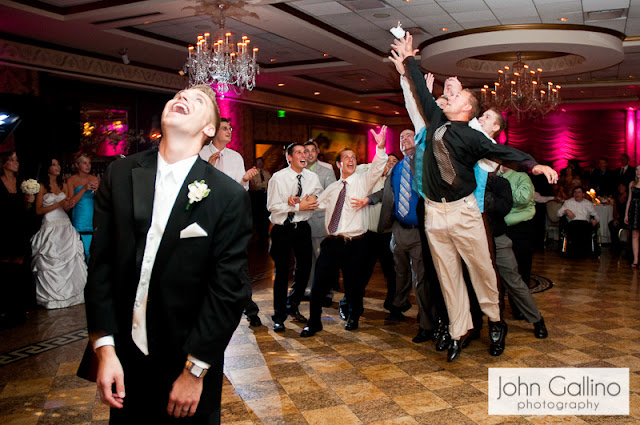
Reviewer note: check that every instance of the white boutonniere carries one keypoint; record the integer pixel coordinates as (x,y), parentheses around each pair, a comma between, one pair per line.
(198,190)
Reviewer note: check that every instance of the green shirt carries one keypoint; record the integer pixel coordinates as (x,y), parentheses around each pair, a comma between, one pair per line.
(524,207)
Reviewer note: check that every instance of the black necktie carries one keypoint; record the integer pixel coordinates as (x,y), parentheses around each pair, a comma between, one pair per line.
(291,214)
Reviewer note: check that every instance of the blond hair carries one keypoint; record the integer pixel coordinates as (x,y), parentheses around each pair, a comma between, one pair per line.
(208,91)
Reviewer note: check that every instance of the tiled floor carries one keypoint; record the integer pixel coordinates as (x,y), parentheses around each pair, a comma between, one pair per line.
(374,375)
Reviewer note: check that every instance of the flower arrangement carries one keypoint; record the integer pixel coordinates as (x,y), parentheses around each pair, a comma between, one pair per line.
(30,187)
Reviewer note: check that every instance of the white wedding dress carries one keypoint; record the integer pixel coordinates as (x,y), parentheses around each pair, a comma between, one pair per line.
(58,259)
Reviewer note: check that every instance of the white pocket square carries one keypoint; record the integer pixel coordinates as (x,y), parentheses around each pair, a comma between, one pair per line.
(193,231)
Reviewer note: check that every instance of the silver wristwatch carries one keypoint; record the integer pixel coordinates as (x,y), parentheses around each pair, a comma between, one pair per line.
(194,369)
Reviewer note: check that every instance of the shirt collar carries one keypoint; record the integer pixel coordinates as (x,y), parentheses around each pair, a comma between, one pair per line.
(178,170)
(292,173)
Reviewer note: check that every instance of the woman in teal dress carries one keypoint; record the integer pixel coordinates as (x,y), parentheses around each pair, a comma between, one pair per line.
(82,187)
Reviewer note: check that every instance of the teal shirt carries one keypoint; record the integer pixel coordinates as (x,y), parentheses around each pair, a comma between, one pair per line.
(524,207)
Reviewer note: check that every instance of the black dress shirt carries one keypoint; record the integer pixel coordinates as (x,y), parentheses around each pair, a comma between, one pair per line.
(465,145)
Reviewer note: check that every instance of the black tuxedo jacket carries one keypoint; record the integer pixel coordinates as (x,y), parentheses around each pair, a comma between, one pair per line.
(626,177)
(197,290)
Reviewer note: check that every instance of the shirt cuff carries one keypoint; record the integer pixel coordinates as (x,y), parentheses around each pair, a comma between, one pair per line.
(104,340)
(197,362)
(296,207)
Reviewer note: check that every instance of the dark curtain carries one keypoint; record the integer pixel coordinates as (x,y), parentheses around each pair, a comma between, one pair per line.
(560,136)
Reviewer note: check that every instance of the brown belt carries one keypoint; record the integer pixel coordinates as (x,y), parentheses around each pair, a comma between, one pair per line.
(345,238)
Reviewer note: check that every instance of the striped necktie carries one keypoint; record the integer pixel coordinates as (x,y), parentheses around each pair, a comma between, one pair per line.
(404,198)
(441,153)
(337,211)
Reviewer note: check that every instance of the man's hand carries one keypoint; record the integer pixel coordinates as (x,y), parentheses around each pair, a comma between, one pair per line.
(549,173)
(185,395)
(251,173)
(110,372)
(569,214)
(214,158)
(381,137)
(429,78)
(308,203)
(401,50)
(452,86)
(293,200)
(594,223)
(359,204)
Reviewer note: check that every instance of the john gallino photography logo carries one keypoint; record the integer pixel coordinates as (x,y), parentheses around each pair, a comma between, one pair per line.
(559,391)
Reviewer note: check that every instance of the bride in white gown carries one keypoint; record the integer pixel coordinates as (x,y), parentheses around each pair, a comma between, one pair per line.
(57,251)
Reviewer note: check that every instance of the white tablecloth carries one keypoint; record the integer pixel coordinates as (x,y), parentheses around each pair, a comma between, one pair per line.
(605,214)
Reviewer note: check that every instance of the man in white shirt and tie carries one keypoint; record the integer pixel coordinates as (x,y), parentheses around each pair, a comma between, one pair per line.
(231,163)
(291,199)
(166,288)
(345,247)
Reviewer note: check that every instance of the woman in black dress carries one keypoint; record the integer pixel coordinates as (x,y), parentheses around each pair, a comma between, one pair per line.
(632,216)
(16,215)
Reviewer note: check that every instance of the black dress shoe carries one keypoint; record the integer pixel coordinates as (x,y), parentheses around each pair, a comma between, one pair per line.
(456,346)
(297,317)
(309,331)
(396,316)
(342,310)
(254,321)
(498,337)
(439,329)
(444,340)
(539,329)
(278,327)
(352,323)
(423,336)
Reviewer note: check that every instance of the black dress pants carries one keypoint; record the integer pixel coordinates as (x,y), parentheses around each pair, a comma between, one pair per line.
(380,250)
(148,381)
(284,239)
(337,254)
(521,235)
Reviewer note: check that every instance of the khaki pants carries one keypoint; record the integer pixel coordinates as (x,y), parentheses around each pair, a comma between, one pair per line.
(454,230)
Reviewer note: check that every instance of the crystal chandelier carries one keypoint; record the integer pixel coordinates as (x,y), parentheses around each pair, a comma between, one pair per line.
(521,90)
(221,64)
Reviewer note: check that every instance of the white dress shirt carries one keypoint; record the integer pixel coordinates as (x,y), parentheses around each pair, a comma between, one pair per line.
(372,212)
(230,162)
(284,184)
(169,181)
(583,210)
(352,223)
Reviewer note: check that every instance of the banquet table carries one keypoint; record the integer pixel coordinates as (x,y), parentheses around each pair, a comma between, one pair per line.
(605,215)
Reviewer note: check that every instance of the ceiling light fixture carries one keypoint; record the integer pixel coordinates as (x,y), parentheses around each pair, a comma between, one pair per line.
(280,84)
(563,19)
(221,63)
(316,93)
(444,29)
(522,91)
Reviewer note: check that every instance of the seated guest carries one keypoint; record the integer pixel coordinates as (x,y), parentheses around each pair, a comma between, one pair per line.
(602,179)
(617,224)
(583,219)
(570,177)
(626,173)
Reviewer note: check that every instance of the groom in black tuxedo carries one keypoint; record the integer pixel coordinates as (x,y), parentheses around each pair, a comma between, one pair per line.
(166,288)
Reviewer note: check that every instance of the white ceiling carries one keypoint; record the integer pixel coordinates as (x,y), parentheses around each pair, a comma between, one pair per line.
(294,37)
